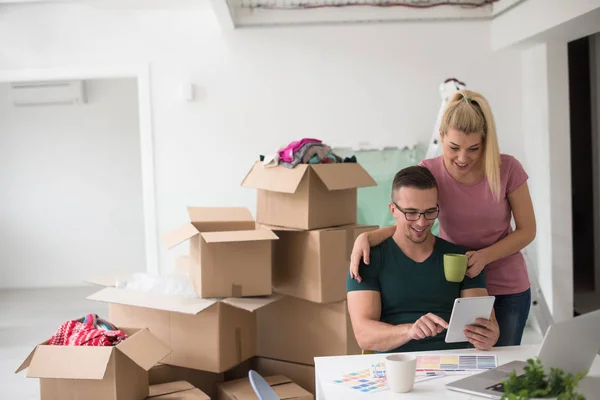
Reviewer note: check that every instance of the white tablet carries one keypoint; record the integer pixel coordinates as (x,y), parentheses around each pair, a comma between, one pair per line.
(465,312)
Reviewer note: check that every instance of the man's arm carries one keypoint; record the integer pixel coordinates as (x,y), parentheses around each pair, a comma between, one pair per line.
(484,335)
(364,307)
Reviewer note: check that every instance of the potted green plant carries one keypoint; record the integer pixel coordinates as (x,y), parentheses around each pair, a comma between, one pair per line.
(536,384)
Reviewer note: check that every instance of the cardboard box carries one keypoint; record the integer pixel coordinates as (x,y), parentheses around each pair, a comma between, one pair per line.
(241,389)
(309,196)
(229,257)
(206,334)
(180,390)
(96,372)
(313,265)
(297,330)
(303,375)
(182,264)
(203,380)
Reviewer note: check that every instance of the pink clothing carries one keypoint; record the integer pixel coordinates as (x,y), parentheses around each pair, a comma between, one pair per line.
(470,217)
(287,153)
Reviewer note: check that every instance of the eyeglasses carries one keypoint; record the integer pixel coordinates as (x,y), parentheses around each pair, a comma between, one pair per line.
(415,215)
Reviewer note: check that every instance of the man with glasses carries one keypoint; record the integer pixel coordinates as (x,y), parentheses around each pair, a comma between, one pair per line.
(403,302)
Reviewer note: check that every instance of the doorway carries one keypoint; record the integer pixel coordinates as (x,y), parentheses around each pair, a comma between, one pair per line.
(140,73)
(72,204)
(585,173)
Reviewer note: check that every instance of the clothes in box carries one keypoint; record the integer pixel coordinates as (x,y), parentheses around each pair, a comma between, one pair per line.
(96,372)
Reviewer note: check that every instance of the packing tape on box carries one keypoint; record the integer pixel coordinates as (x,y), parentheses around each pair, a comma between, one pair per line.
(236,290)
(238,344)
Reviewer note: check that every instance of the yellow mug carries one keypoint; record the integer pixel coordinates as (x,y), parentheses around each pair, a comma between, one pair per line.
(455,267)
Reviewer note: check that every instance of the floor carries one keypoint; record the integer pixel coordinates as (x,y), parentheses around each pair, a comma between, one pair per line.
(28,317)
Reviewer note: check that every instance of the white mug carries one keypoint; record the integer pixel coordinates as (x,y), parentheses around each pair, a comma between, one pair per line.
(400,371)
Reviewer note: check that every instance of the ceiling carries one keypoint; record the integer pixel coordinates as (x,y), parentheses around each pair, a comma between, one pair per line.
(247,13)
(286,12)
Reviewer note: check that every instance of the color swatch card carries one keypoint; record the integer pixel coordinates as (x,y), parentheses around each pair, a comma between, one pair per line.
(456,363)
(362,381)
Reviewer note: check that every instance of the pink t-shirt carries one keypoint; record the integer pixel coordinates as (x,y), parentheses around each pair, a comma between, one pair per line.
(470,217)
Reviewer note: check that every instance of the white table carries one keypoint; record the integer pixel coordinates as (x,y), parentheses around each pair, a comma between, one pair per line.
(328,369)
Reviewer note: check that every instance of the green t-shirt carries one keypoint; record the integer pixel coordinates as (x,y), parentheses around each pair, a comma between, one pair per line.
(410,290)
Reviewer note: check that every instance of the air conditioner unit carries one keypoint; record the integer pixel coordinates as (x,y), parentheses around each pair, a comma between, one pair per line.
(48,93)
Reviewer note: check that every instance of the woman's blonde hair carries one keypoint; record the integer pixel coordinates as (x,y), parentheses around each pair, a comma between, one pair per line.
(469,112)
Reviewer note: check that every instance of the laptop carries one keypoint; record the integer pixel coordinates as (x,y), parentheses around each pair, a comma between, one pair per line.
(571,345)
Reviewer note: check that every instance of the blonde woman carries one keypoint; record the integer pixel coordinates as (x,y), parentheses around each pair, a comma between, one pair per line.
(479,191)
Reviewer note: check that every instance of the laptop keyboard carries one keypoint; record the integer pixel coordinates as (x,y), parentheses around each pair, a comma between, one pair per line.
(499,387)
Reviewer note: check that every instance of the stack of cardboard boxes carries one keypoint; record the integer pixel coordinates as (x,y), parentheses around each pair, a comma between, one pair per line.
(229,264)
(313,211)
(298,247)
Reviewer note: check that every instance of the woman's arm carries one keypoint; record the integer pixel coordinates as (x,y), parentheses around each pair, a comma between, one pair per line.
(379,236)
(524,233)
(362,247)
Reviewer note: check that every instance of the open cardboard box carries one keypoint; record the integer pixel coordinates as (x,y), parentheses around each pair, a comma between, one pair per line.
(207,334)
(96,372)
(313,265)
(284,387)
(308,196)
(228,256)
(179,390)
(203,380)
(302,374)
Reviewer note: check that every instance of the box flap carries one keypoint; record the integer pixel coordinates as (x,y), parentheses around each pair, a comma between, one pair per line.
(145,349)
(182,264)
(179,235)
(277,380)
(192,394)
(239,236)
(343,176)
(180,390)
(275,179)
(278,228)
(69,362)
(251,303)
(220,214)
(157,301)
(170,387)
(27,361)
(285,387)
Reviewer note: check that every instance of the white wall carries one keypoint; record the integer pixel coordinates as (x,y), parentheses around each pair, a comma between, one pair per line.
(261,88)
(71,188)
(545,92)
(535,19)
(547,149)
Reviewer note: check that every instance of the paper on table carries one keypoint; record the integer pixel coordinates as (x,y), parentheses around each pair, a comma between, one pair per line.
(456,363)
(373,379)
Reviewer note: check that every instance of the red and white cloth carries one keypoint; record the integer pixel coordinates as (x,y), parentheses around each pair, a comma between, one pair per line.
(84,332)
